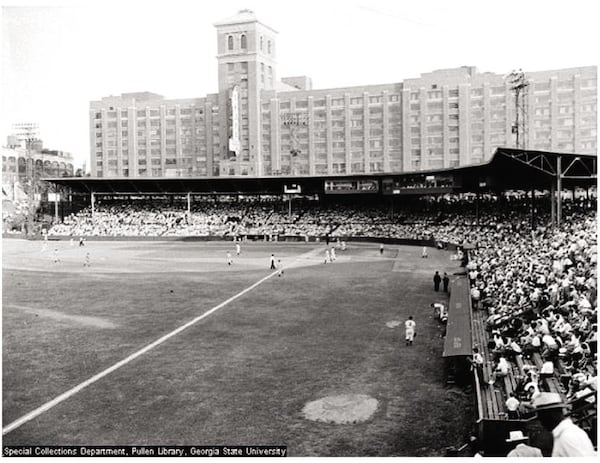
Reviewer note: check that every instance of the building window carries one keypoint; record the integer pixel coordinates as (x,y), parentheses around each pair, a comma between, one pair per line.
(230,42)
(243,42)
(269,47)
(261,43)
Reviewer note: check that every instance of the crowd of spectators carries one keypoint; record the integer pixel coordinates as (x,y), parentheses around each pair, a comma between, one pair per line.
(538,290)
(450,220)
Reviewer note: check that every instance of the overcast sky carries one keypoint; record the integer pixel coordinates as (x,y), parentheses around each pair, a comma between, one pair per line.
(56,59)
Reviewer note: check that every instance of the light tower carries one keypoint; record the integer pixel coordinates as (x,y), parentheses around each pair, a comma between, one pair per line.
(518,84)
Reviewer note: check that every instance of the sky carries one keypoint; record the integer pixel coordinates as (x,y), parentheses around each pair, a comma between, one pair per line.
(57,57)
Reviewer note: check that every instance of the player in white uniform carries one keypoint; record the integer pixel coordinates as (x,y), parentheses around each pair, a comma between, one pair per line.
(332,253)
(238,249)
(440,312)
(229,259)
(410,326)
(327,256)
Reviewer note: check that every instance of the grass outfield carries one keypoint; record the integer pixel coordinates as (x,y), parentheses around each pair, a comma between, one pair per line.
(241,375)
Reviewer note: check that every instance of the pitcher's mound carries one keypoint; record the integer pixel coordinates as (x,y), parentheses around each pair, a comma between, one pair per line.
(341,409)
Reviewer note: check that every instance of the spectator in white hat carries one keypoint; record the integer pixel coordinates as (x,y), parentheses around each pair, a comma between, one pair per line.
(569,439)
(521,449)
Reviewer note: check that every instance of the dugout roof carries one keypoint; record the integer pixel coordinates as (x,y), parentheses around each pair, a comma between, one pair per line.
(458,341)
(508,169)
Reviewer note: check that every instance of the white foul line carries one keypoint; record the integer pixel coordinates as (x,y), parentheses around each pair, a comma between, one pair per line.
(65,395)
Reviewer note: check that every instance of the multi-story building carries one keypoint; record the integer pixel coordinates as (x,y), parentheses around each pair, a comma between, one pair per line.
(20,164)
(25,164)
(259,125)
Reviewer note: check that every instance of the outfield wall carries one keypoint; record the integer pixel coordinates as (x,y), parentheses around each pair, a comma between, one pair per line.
(277,238)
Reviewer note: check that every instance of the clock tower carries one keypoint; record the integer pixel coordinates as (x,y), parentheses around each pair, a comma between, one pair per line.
(246,57)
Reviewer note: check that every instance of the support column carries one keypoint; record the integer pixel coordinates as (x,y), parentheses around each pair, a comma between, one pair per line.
(56,207)
(532,208)
(552,205)
(93,201)
(558,191)
(477,207)
(189,202)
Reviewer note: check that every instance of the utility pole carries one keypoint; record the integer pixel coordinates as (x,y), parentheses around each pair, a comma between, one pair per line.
(559,176)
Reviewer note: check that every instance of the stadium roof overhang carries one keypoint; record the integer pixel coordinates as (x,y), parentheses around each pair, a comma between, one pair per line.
(508,169)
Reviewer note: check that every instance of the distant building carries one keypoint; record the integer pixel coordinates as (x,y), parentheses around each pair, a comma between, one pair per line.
(260,125)
(20,164)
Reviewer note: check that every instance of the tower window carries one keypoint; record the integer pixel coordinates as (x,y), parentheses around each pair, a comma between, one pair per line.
(243,43)
(230,42)
(269,47)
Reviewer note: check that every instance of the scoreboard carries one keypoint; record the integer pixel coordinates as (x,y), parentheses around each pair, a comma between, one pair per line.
(351,186)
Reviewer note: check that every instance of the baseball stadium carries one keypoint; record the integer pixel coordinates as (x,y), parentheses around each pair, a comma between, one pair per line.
(273,311)
(404,269)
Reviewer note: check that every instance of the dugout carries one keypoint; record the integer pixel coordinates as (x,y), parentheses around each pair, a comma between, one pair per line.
(458,341)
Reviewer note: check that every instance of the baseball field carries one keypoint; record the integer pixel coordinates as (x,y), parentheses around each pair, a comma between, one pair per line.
(164,343)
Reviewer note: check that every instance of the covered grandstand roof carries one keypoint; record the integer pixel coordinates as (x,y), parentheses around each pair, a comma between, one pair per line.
(507,169)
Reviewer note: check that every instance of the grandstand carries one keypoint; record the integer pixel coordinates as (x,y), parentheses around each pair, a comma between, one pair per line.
(526,291)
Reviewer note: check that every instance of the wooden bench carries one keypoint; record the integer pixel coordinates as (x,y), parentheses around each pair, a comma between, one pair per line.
(520,364)
(493,396)
(511,379)
(552,382)
(560,367)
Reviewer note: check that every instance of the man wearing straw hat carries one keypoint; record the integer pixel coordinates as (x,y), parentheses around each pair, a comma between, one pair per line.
(569,440)
(521,449)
